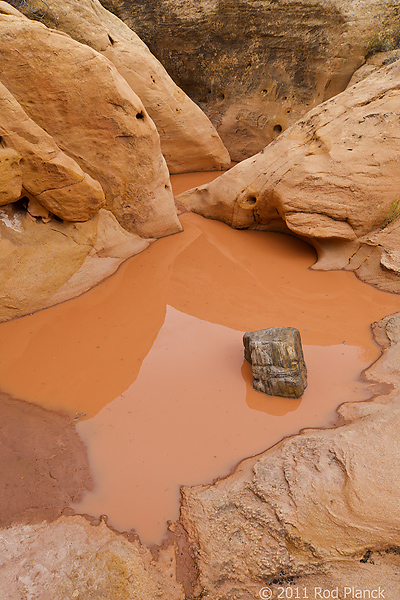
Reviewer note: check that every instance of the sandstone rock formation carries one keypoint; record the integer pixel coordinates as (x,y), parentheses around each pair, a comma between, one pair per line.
(188,140)
(320,508)
(10,176)
(78,97)
(48,175)
(70,558)
(42,264)
(257,66)
(331,179)
(373,63)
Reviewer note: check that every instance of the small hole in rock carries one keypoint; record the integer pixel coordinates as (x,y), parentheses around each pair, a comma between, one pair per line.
(251,200)
(111,40)
(221,97)
(277,129)
(140,115)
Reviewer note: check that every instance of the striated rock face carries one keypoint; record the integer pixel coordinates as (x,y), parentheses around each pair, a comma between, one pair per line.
(277,361)
(373,63)
(256,66)
(313,509)
(188,140)
(78,97)
(331,178)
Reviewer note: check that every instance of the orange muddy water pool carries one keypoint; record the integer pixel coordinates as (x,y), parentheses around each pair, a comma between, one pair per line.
(150,362)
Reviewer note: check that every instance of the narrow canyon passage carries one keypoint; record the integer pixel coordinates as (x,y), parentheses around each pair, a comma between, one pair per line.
(150,362)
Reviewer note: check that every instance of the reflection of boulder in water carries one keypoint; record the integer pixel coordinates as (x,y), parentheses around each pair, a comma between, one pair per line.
(277,361)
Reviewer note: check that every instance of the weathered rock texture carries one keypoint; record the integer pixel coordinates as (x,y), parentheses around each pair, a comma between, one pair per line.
(10,176)
(277,361)
(47,175)
(70,558)
(42,264)
(188,140)
(78,97)
(320,508)
(373,63)
(257,66)
(332,178)
(43,463)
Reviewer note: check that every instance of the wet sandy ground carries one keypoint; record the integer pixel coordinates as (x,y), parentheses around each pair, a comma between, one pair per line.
(43,463)
(151,361)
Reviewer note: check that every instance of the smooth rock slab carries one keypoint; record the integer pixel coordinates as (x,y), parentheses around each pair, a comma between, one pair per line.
(277,361)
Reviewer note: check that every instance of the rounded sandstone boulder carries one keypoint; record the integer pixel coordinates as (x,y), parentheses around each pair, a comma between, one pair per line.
(78,97)
(189,141)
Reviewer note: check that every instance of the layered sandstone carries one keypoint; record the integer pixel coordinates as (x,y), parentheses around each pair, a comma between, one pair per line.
(331,178)
(189,142)
(78,97)
(256,66)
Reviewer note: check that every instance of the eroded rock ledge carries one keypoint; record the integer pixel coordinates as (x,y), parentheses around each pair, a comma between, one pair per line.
(332,178)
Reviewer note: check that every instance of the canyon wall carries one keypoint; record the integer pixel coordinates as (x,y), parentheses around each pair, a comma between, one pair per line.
(189,142)
(331,178)
(256,66)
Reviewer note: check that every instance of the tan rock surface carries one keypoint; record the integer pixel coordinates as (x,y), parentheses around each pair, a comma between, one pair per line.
(313,509)
(10,176)
(256,66)
(70,558)
(372,64)
(188,140)
(49,176)
(81,100)
(56,260)
(331,178)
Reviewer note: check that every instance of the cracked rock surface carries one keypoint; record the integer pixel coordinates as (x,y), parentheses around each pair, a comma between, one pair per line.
(70,558)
